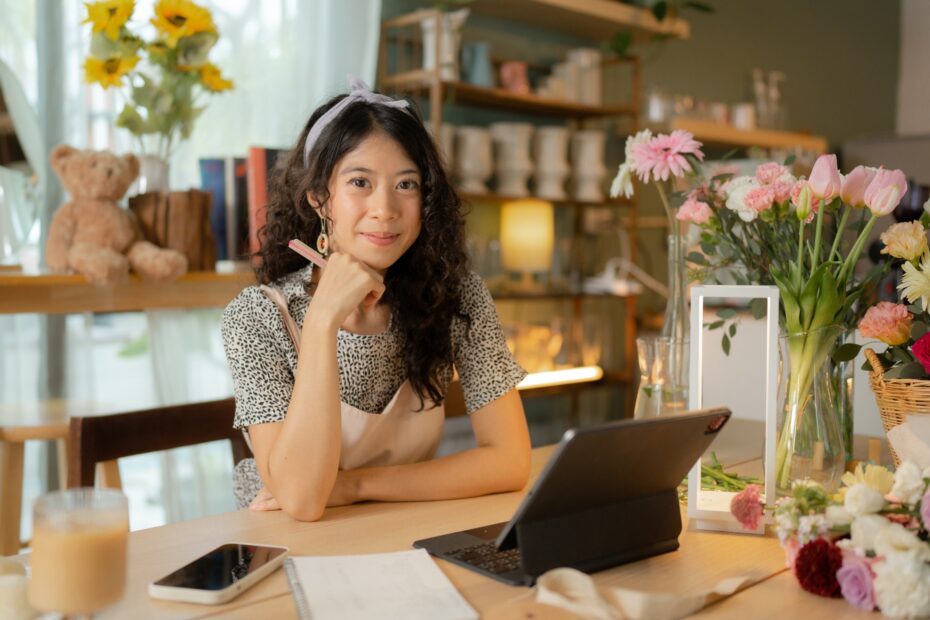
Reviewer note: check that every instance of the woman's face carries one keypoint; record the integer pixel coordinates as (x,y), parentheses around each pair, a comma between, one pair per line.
(375,202)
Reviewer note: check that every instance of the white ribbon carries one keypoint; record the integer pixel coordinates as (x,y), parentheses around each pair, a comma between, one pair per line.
(359,91)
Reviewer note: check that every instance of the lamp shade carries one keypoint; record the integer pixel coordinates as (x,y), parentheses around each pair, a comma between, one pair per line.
(527,235)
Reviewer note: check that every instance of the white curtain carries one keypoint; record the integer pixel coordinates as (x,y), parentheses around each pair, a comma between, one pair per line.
(285,57)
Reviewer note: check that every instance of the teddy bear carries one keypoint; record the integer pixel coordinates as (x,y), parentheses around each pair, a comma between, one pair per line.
(91,234)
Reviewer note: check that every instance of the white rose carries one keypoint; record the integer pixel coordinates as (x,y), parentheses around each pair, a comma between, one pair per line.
(838,515)
(861,499)
(895,540)
(864,529)
(902,587)
(908,483)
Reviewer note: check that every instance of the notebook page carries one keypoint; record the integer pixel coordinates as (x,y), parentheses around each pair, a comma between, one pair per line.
(405,585)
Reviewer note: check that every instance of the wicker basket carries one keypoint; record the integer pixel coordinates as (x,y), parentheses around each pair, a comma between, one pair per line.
(897,398)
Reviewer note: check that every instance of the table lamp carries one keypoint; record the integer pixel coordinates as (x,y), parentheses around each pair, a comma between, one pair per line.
(527,237)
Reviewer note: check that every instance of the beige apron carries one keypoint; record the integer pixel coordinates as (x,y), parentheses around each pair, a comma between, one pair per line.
(400,434)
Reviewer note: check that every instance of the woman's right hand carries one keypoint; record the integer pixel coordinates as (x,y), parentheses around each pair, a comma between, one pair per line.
(344,285)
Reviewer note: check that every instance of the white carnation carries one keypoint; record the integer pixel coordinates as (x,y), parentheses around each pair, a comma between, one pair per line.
(861,499)
(838,515)
(811,527)
(908,483)
(895,540)
(736,190)
(864,529)
(902,587)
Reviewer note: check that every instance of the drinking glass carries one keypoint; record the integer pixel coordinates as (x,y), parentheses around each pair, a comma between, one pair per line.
(78,550)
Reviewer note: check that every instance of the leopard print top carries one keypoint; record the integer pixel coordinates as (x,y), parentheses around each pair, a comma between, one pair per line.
(263,360)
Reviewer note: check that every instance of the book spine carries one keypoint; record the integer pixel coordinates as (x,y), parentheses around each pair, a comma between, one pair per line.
(212,180)
(258,194)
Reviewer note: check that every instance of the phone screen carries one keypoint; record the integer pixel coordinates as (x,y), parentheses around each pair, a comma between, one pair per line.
(221,567)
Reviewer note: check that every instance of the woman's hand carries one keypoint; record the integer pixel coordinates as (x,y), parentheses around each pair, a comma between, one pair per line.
(264,501)
(345,284)
(344,492)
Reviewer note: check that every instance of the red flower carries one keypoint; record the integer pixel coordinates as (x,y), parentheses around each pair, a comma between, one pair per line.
(816,567)
(921,351)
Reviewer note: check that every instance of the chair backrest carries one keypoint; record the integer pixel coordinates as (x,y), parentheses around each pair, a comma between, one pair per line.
(97,439)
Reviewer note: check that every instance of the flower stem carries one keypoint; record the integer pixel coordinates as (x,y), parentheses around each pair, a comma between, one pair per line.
(839,235)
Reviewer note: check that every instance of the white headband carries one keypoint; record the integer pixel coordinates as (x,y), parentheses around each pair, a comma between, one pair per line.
(359,91)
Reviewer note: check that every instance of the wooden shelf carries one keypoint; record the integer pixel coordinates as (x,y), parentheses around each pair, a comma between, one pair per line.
(616,377)
(417,82)
(568,202)
(6,124)
(726,135)
(61,294)
(594,19)
(551,295)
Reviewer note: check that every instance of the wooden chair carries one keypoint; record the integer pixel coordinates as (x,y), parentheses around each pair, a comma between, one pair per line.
(110,437)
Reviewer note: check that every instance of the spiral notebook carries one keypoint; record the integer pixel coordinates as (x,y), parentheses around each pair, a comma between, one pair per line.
(406,585)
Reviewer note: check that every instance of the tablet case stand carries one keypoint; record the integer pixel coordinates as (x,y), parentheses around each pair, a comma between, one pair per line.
(600,537)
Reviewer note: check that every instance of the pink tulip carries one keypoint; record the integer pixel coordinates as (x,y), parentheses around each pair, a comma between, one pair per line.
(825,179)
(885,191)
(854,185)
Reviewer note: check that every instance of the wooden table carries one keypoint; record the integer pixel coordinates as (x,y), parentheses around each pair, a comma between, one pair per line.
(37,421)
(703,559)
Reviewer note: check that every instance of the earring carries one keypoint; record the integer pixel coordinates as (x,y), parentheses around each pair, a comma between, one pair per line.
(322,241)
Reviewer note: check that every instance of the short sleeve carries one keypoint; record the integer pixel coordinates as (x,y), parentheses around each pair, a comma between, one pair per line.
(257,358)
(486,368)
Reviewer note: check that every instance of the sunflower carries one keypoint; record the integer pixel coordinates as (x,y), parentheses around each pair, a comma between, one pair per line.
(181,18)
(212,80)
(110,71)
(109,16)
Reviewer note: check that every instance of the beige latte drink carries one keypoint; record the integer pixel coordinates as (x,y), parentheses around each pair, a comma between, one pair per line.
(79,553)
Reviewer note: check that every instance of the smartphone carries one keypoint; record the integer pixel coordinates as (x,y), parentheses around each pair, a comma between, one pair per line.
(220,575)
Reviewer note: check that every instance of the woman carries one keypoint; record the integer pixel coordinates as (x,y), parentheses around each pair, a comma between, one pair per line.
(345,405)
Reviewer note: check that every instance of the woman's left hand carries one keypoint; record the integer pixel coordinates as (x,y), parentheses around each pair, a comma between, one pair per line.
(344,493)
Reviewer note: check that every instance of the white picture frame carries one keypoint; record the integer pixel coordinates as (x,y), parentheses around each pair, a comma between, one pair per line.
(710,510)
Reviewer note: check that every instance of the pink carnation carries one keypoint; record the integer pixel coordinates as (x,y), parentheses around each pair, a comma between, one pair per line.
(694,211)
(664,155)
(767,173)
(760,199)
(888,322)
(747,507)
(782,189)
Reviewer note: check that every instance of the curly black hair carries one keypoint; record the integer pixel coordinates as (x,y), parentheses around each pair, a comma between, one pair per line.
(424,285)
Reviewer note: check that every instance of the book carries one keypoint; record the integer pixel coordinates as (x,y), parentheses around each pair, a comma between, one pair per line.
(225,178)
(404,585)
(261,170)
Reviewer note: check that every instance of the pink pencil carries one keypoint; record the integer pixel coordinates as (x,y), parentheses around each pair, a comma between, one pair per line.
(307,252)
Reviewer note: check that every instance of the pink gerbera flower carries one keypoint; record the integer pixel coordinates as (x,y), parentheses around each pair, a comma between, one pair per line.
(664,155)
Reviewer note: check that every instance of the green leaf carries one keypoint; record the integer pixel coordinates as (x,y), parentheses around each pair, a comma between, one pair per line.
(729,154)
(759,308)
(714,325)
(913,370)
(846,352)
(918,329)
(660,9)
(697,258)
(726,313)
(732,330)
(620,43)
(699,6)
(725,343)
(790,160)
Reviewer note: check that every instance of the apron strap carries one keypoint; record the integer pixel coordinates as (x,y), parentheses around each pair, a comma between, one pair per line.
(290,324)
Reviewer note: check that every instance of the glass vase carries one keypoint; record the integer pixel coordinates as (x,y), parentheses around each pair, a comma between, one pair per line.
(842,375)
(677,323)
(663,387)
(809,439)
(153,175)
